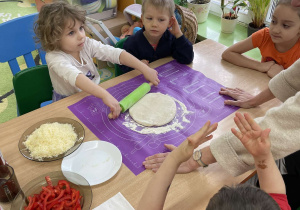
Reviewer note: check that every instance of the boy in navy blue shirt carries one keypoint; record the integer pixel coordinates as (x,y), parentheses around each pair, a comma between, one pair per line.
(160,37)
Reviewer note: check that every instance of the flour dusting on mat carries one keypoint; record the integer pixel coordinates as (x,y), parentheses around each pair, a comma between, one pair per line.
(174,125)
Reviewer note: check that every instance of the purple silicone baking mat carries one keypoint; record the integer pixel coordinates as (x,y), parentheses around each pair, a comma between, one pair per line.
(198,93)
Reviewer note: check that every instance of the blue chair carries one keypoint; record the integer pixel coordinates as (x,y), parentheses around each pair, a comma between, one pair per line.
(17,39)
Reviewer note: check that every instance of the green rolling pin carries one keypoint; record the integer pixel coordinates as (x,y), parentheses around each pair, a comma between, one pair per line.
(133,97)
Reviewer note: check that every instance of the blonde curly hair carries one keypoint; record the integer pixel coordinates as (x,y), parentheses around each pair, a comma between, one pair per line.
(52,20)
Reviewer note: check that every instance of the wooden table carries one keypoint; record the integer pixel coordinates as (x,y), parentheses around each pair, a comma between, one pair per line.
(188,191)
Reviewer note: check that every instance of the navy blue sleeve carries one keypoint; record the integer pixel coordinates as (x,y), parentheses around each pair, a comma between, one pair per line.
(129,47)
(182,50)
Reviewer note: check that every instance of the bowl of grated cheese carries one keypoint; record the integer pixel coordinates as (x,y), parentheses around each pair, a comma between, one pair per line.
(51,139)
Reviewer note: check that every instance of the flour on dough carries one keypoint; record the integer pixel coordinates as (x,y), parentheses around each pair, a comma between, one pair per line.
(154,109)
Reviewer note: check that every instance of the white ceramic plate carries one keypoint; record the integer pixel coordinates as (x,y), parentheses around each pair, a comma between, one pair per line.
(97,161)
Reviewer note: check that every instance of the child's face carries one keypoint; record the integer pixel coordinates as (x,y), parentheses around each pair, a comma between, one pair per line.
(156,21)
(73,37)
(285,25)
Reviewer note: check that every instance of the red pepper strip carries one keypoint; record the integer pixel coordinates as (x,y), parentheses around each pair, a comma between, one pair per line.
(66,184)
(35,205)
(46,198)
(61,207)
(58,197)
(50,206)
(78,206)
(30,203)
(43,195)
(48,180)
(66,197)
(40,205)
(75,197)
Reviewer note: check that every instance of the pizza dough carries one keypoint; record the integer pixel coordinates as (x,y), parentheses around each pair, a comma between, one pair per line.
(154,109)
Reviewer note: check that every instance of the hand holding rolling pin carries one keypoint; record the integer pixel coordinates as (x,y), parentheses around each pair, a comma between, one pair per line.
(113,104)
(152,76)
(131,99)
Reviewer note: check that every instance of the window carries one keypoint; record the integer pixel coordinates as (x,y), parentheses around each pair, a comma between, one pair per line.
(271,10)
(244,17)
(215,8)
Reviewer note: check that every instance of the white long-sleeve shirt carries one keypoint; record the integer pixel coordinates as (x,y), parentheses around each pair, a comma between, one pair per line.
(64,68)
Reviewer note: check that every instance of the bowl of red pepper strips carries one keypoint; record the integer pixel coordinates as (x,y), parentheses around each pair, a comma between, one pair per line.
(54,191)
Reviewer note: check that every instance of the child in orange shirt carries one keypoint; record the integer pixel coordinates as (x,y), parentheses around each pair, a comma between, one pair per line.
(279,44)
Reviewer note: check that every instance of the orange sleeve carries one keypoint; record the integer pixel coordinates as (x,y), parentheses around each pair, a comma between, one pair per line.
(259,36)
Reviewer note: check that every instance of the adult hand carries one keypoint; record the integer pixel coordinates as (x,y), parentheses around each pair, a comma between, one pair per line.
(152,76)
(275,69)
(174,28)
(113,104)
(242,98)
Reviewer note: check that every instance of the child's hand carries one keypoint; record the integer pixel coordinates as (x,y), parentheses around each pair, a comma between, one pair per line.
(113,104)
(255,140)
(174,28)
(152,76)
(265,66)
(145,62)
(185,150)
(275,69)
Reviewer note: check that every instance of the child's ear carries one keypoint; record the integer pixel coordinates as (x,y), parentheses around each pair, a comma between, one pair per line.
(141,19)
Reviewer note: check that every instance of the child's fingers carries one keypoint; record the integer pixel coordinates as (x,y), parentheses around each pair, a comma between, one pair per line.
(251,122)
(244,122)
(239,124)
(237,134)
(203,134)
(115,110)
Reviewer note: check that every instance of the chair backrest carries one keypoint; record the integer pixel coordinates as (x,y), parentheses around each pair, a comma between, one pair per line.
(32,87)
(189,24)
(17,39)
(119,44)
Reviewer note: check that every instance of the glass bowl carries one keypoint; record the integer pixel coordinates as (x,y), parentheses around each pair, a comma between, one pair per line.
(35,187)
(78,128)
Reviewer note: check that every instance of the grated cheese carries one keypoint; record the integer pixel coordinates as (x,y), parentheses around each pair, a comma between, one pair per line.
(50,140)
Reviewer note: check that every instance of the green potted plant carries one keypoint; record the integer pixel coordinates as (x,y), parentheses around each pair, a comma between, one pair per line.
(229,20)
(259,10)
(199,7)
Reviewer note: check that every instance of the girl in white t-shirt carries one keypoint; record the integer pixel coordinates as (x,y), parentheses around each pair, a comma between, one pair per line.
(69,54)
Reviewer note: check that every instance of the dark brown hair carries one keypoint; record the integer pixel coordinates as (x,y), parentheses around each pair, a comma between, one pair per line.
(289,3)
(242,197)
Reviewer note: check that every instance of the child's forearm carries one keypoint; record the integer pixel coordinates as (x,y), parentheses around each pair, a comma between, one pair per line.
(129,60)
(157,189)
(89,87)
(269,176)
(241,60)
